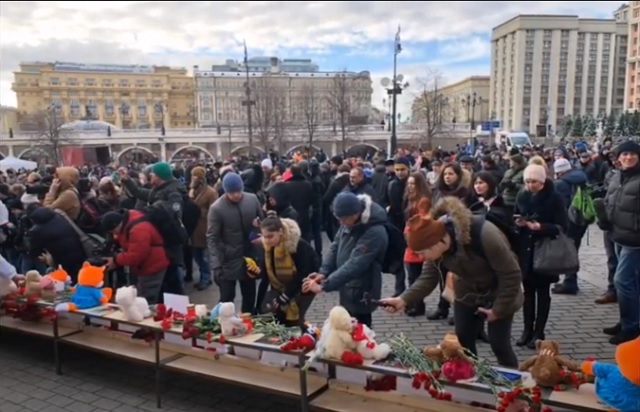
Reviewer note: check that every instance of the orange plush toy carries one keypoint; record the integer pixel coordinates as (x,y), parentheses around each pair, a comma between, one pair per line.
(89,292)
(618,386)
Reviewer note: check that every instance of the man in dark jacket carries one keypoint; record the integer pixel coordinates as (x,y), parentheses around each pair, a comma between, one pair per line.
(380,182)
(622,220)
(278,200)
(164,187)
(353,265)
(301,196)
(358,185)
(567,182)
(52,232)
(313,174)
(395,209)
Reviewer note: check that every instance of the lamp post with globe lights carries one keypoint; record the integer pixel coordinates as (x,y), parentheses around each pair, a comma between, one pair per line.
(394,88)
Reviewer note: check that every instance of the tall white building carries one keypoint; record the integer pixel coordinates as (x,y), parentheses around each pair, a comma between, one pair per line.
(544,68)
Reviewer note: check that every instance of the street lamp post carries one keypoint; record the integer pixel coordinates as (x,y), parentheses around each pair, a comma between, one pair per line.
(124,111)
(159,108)
(248,102)
(470,102)
(395,91)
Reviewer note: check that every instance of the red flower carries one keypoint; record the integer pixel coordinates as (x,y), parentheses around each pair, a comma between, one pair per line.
(166,323)
(501,394)
(546,409)
(222,339)
(415,382)
(209,336)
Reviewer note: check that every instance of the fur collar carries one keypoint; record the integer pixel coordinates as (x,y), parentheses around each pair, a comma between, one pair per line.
(366,213)
(291,233)
(459,215)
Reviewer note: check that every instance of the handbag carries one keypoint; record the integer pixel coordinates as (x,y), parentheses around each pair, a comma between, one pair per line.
(554,256)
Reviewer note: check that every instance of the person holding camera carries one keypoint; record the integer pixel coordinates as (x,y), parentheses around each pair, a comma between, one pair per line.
(539,213)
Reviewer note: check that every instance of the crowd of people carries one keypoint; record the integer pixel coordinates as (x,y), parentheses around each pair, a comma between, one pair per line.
(466,225)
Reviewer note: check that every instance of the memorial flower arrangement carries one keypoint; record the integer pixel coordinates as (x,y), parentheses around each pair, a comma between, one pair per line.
(26,307)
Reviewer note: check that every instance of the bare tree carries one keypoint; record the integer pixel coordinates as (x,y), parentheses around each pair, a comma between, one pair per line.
(263,110)
(429,106)
(50,135)
(340,101)
(280,117)
(310,112)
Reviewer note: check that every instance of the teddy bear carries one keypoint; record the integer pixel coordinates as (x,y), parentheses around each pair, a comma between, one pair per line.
(7,287)
(548,367)
(135,308)
(55,282)
(366,345)
(230,323)
(618,386)
(335,339)
(454,363)
(32,283)
(89,292)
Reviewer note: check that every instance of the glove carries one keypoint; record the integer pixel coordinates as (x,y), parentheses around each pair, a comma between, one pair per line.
(253,270)
(217,276)
(279,302)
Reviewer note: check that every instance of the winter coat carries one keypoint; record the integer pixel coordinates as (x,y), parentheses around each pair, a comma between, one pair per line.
(511,184)
(396,202)
(67,198)
(353,264)
(547,208)
(301,197)
(567,184)
(279,192)
(142,246)
(494,278)
(53,233)
(622,203)
(363,188)
(229,226)
(203,197)
(380,183)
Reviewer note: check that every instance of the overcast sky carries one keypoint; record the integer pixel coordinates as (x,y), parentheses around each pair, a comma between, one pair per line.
(449,36)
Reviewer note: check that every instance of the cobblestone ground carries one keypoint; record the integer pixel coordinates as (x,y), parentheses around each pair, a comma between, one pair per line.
(95,383)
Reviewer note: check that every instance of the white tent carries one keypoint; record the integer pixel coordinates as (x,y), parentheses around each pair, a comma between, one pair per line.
(17,164)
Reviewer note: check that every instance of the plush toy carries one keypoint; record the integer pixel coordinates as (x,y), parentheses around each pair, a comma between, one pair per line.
(201,311)
(336,341)
(89,292)
(55,282)
(618,386)
(366,345)
(32,284)
(454,363)
(548,368)
(7,286)
(306,342)
(135,308)
(230,323)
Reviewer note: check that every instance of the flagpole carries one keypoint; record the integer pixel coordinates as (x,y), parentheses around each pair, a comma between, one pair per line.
(394,104)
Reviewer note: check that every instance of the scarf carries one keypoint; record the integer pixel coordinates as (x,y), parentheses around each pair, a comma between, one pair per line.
(281,270)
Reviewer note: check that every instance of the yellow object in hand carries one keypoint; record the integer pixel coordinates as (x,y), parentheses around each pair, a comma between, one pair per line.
(252,267)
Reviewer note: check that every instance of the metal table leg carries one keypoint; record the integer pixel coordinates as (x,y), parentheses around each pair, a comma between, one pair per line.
(156,338)
(56,346)
(304,398)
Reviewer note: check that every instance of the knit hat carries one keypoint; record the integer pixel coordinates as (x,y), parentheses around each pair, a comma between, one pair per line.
(232,183)
(402,162)
(628,146)
(561,166)
(198,171)
(267,163)
(110,220)
(162,170)
(535,172)
(347,204)
(516,157)
(28,199)
(423,231)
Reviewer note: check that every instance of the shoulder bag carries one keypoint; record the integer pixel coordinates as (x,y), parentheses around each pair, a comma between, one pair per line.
(554,256)
(90,245)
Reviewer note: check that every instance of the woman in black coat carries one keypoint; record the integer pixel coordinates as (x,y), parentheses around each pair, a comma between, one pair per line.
(539,213)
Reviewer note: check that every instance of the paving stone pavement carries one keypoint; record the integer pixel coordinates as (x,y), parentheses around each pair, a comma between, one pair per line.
(93,383)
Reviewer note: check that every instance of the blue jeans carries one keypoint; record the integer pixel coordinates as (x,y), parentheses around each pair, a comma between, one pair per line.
(627,281)
(202,259)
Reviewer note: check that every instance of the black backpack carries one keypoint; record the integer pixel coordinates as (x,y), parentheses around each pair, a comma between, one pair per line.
(501,223)
(165,216)
(394,256)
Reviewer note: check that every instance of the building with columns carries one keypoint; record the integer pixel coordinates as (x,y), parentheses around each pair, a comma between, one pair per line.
(630,14)
(8,119)
(280,96)
(544,68)
(129,96)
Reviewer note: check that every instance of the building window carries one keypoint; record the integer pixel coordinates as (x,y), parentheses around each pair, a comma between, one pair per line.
(54,81)
(74,106)
(141,83)
(109,107)
(125,108)
(107,83)
(123,83)
(206,116)
(90,82)
(142,108)
(72,81)
(546,44)
(56,104)
(156,83)
(205,102)
(92,109)
(158,108)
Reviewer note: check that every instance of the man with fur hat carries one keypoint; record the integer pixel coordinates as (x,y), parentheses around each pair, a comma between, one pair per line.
(488,281)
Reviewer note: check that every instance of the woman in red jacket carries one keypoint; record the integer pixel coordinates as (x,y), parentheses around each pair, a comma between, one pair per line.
(417,196)
(142,251)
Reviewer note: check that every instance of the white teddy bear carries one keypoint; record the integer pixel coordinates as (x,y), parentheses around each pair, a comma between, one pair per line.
(367,346)
(230,322)
(336,337)
(7,286)
(135,308)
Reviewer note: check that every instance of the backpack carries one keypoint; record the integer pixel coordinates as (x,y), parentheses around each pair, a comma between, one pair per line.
(582,211)
(93,245)
(501,223)
(394,255)
(90,215)
(165,216)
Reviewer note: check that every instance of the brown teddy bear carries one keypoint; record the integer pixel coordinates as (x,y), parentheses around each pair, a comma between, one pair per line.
(450,348)
(548,368)
(32,281)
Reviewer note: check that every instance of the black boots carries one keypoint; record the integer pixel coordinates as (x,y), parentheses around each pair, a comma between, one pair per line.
(417,310)
(529,314)
(438,314)
(542,316)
